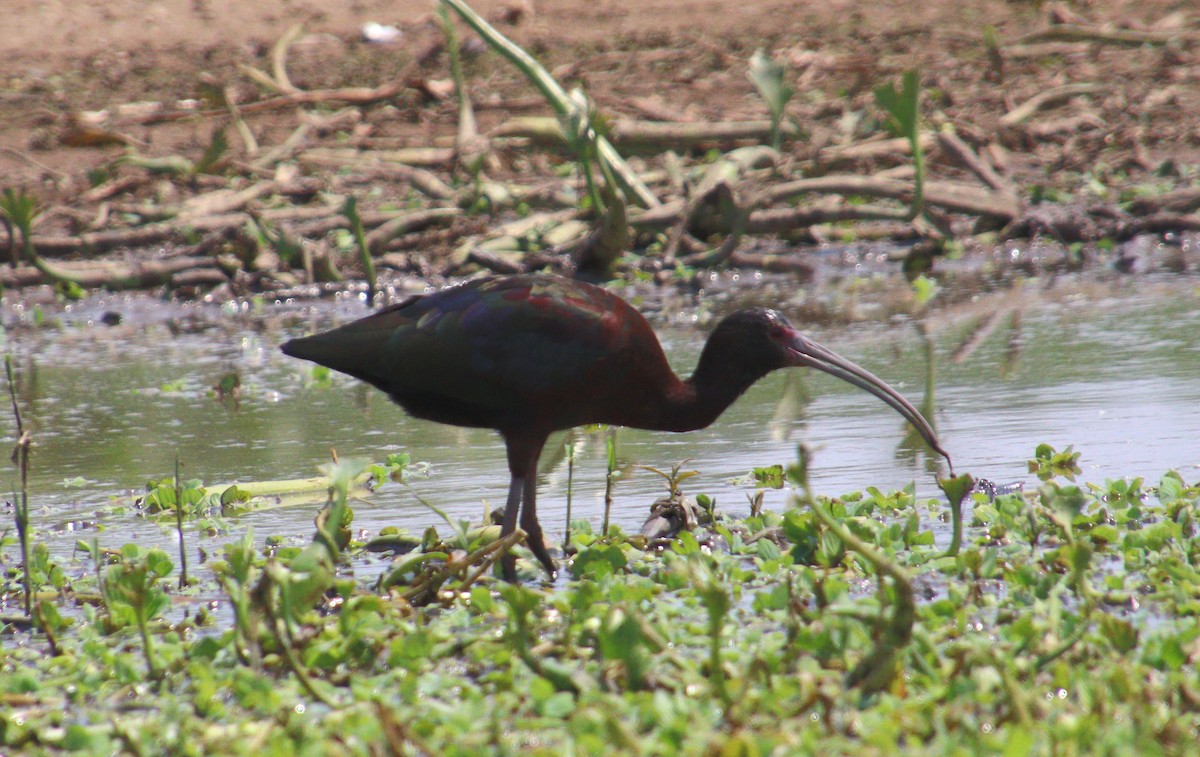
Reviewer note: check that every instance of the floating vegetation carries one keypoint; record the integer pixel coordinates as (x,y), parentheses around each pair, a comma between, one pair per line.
(1067,616)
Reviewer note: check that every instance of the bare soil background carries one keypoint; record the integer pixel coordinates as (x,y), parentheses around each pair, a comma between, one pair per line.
(73,69)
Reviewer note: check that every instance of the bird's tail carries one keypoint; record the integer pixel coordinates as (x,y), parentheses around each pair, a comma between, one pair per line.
(347,351)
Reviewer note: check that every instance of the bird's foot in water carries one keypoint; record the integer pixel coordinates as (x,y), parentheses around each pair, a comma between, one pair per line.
(508,565)
(993,490)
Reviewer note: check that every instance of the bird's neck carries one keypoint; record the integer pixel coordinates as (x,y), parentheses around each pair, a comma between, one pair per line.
(700,400)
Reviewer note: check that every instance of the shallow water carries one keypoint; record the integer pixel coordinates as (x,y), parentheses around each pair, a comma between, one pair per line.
(1117,375)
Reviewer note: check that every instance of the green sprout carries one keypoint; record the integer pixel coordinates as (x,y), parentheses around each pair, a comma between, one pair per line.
(903,120)
(770,78)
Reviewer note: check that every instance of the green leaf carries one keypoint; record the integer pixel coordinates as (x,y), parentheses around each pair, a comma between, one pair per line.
(770,477)
(1171,488)
(1048,463)
(1018,742)
(767,550)
(1105,534)
(1120,633)
(924,289)
(770,79)
(558,705)
(217,147)
(597,561)
(956,489)
(831,550)
(234,495)
(20,209)
(159,563)
(901,106)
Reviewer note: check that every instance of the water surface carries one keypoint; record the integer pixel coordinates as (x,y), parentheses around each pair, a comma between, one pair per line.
(1115,373)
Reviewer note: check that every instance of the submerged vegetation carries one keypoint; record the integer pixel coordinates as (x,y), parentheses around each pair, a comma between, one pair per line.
(1065,622)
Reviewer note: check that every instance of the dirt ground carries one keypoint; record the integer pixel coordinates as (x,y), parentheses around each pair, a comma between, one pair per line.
(1131,124)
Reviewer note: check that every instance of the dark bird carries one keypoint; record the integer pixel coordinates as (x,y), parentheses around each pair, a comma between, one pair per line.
(533,354)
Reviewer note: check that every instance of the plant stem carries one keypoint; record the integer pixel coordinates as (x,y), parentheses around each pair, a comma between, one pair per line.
(21,514)
(570,483)
(147,644)
(956,490)
(277,627)
(183,576)
(716,619)
(47,628)
(555,95)
(350,211)
(956,528)
(467,129)
(610,444)
(877,669)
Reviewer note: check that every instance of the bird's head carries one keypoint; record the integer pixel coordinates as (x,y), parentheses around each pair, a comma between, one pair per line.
(757,341)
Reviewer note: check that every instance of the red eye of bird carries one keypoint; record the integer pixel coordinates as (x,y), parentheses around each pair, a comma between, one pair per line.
(777,331)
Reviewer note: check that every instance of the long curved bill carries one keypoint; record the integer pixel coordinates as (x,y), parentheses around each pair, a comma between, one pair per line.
(812,355)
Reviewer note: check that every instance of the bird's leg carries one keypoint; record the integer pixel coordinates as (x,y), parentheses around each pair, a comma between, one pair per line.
(508,563)
(531,527)
(524,448)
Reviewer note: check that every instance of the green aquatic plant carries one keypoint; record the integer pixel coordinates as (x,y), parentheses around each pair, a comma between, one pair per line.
(133,595)
(674,478)
(569,449)
(566,106)
(350,211)
(956,490)
(178,166)
(1048,463)
(237,574)
(903,120)
(610,450)
(836,625)
(771,81)
(20,458)
(183,569)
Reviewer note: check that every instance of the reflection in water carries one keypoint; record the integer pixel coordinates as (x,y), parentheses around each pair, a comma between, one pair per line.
(912,445)
(1010,361)
(792,404)
(113,406)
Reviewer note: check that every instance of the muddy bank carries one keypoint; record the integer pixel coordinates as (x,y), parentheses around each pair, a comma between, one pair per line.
(220,169)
